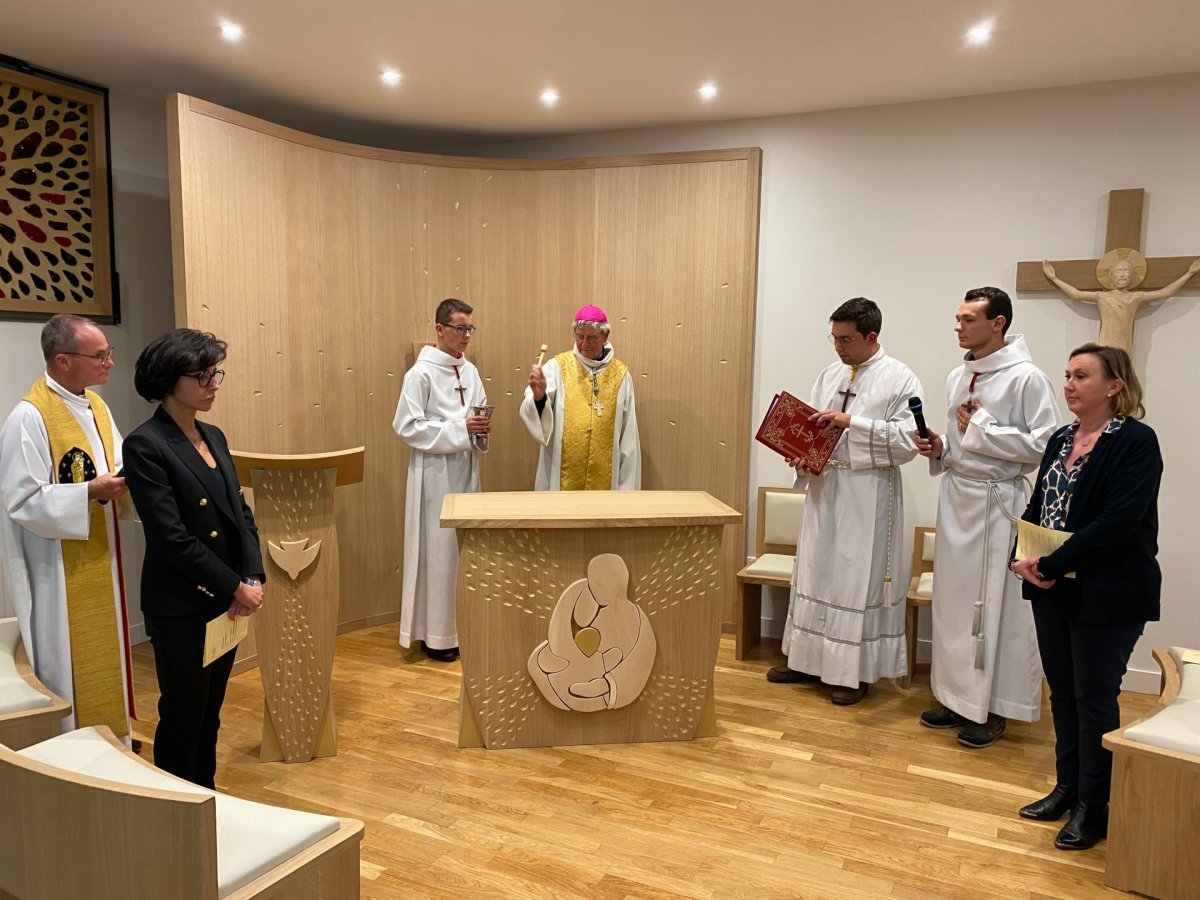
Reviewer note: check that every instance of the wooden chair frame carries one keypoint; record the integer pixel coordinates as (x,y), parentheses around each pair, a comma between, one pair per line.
(912,602)
(31,726)
(69,835)
(1153,828)
(748,615)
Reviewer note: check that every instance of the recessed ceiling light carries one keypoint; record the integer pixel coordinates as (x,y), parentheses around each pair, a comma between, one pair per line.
(231,31)
(390,77)
(980,34)
(707,91)
(549,97)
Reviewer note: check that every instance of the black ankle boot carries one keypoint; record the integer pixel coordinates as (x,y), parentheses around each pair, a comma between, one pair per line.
(1087,825)
(1052,807)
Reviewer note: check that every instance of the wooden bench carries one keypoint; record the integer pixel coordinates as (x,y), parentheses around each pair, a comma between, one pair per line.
(29,711)
(1154,814)
(920,593)
(85,817)
(780,512)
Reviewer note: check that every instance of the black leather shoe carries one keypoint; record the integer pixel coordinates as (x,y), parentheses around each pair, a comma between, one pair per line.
(942,717)
(978,736)
(450,654)
(1087,825)
(847,696)
(1053,806)
(784,675)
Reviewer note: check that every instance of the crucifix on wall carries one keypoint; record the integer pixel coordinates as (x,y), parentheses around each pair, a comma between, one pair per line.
(1121,281)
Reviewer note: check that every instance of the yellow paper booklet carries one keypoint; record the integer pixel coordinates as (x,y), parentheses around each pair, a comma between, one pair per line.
(222,634)
(1034,540)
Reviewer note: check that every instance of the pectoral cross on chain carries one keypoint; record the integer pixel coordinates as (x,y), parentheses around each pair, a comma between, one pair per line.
(596,404)
(847,394)
(462,391)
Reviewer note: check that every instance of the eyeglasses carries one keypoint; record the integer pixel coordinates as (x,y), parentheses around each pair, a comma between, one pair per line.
(462,329)
(102,357)
(845,340)
(204,379)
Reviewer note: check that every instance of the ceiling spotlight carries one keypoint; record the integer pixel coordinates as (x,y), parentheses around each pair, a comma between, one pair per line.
(549,97)
(231,31)
(980,34)
(390,77)
(707,91)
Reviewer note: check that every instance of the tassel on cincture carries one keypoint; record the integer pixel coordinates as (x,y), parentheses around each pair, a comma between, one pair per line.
(977,622)
(980,651)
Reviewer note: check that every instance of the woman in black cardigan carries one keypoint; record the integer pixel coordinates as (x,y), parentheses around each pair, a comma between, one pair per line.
(1099,480)
(202,553)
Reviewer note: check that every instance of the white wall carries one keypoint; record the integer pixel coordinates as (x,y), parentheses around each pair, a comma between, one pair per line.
(142,240)
(912,205)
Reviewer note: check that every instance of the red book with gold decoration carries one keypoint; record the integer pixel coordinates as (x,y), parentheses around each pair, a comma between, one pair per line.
(787,431)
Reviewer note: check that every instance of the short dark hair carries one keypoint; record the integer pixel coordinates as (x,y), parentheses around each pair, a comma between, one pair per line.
(172,355)
(998,304)
(448,307)
(862,312)
(61,334)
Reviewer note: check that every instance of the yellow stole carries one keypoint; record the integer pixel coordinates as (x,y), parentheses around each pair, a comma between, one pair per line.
(99,697)
(587,439)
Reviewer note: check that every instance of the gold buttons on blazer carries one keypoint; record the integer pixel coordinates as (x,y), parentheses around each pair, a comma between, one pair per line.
(212,534)
(204,501)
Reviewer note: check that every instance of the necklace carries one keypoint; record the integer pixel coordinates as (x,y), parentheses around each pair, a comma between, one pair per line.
(197,440)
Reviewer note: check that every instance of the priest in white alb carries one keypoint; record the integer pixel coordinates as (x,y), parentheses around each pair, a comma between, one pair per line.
(435,418)
(59,493)
(845,622)
(1002,412)
(579,407)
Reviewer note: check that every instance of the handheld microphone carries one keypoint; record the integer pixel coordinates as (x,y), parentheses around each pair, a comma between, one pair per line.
(914,406)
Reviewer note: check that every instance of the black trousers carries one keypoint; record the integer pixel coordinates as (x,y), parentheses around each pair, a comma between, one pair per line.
(189,709)
(1084,665)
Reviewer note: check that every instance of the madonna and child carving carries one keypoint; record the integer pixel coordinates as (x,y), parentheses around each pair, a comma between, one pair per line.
(600,646)
(294,556)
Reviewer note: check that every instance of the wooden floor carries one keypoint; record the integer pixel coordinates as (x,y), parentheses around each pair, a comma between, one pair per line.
(794,798)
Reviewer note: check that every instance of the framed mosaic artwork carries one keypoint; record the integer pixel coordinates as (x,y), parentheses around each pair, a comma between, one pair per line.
(55,196)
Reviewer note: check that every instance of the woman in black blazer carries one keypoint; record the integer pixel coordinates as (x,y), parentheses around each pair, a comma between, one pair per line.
(202,553)
(1099,480)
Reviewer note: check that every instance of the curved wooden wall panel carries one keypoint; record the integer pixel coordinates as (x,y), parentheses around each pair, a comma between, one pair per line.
(322,262)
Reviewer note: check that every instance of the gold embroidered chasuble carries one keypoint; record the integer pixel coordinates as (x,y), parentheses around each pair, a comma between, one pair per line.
(91,605)
(589,420)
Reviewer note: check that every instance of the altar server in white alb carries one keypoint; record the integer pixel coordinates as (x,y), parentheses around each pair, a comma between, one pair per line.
(580,408)
(59,452)
(845,622)
(434,417)
(1002,412)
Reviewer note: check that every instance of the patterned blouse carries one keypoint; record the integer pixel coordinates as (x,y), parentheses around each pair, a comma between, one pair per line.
(1058,484)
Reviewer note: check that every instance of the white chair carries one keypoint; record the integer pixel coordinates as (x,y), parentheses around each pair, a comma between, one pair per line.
(29,711)
(920,593)
(85,817)
(780,512)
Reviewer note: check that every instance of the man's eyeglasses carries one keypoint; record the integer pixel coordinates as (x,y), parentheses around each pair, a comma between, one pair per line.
(102,357)
(845,340)
(462,329)
(212,376)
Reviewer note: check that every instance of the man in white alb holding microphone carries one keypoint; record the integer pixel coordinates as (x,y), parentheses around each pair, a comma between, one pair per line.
(1002,412)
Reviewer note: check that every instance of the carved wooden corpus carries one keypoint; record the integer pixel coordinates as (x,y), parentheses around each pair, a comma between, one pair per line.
(297,627)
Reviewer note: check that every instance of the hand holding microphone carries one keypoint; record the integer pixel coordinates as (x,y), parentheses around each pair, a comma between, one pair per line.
(929,443)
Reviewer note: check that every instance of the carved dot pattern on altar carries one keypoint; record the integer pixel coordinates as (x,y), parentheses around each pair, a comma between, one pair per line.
(45,201)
